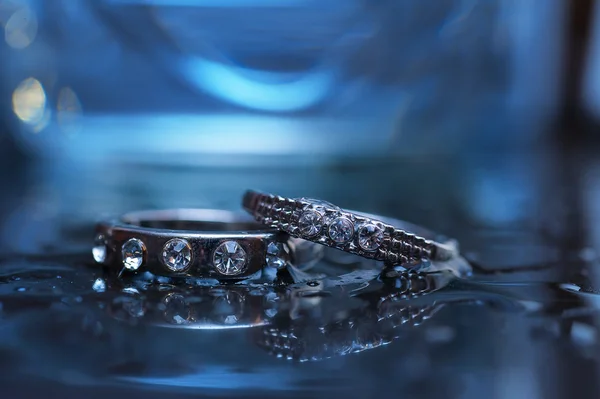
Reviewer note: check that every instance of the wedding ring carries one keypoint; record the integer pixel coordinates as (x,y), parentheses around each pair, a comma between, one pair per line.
(202,243)
(393,241)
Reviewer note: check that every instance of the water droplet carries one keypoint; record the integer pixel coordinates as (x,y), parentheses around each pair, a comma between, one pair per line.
(99,248)
(99,285)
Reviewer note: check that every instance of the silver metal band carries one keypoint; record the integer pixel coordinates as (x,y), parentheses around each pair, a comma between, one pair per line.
(202,243)
(392,241)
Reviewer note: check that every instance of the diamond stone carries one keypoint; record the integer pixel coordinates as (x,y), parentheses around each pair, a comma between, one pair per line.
(99,248)
(275,252)
(229,258)
(370,237)
(341,230)
(132,253)
(310,223)
(177,254)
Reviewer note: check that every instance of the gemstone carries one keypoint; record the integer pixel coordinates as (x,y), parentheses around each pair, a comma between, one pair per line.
(275,254)
(310,223)
(370,237)
(229,258)
(177,255)
(99,248)
(132,253)
(341,230)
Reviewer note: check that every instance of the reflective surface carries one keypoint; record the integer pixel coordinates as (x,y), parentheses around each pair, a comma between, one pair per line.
(66,324)
(434,115)
(525,323)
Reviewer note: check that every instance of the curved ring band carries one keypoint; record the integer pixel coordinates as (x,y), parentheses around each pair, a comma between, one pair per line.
(369,236)
(201,243)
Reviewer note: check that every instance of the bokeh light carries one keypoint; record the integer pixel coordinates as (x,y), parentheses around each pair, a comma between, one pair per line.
(69,111)
(21,28)
(29,103)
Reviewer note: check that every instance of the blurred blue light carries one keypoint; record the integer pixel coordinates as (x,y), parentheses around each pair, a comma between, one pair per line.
(222,378)
(213,3)
(266,91)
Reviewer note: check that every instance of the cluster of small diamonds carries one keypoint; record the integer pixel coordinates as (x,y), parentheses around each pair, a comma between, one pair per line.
(229,258)
(326,224)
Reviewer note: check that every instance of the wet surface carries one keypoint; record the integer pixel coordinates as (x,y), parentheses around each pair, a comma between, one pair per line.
(523,324)
(439,116)
(65,323)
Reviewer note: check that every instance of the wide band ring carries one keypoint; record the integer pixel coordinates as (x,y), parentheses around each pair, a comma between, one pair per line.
(201,243)
(369,236)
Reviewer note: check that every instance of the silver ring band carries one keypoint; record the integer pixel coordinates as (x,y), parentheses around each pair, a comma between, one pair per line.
(392,241)
(201,243)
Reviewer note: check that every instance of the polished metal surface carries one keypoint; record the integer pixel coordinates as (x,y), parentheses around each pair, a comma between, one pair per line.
(394,241)
(204,236)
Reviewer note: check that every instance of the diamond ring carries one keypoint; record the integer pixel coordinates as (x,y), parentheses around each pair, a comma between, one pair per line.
(393,241)
(201,243)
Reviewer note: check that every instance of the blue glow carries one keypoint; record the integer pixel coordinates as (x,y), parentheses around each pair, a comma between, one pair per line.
(214,3)
(222,378)
(249,89)
(139,137)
